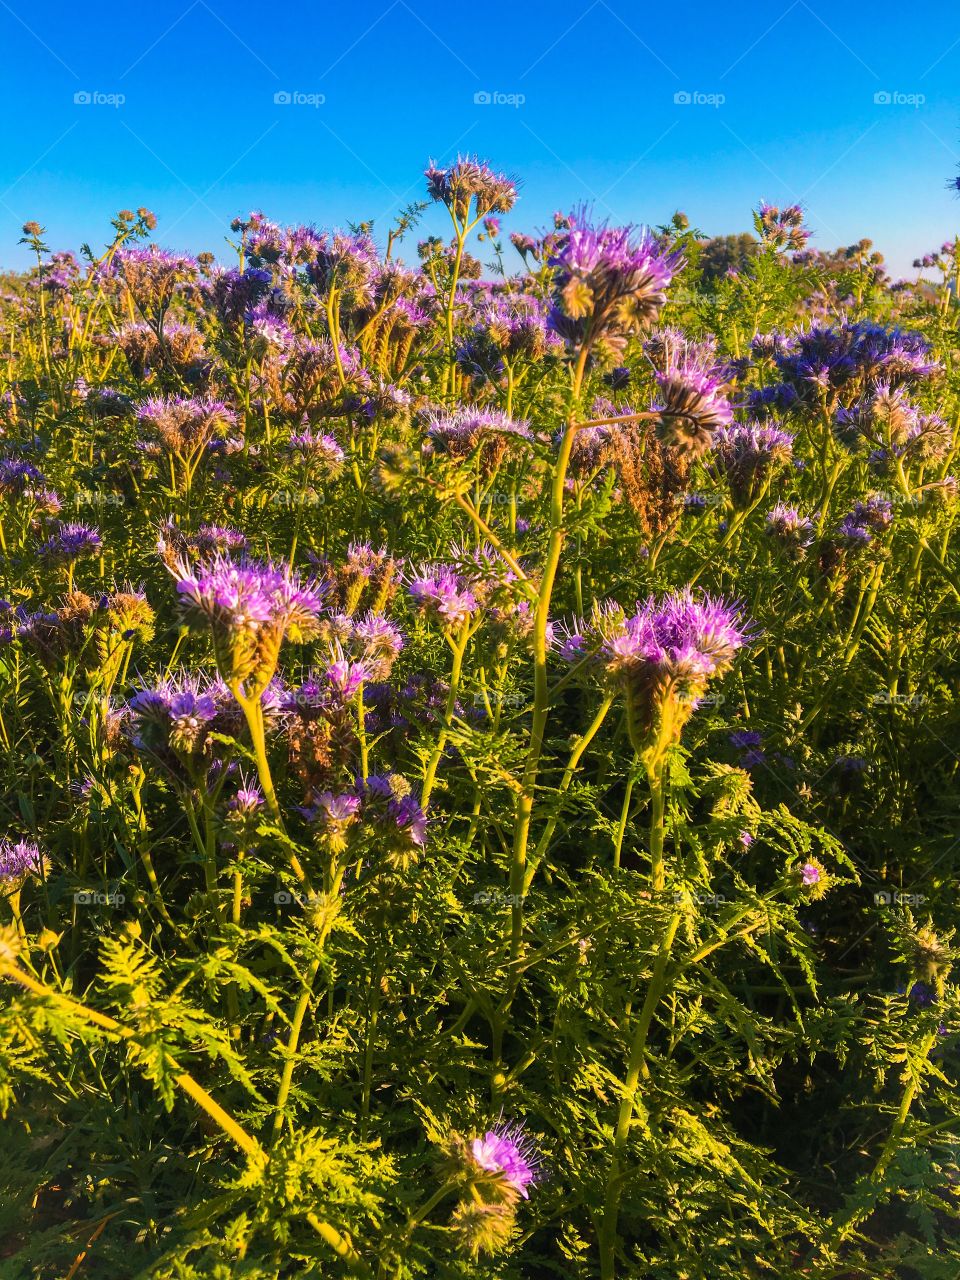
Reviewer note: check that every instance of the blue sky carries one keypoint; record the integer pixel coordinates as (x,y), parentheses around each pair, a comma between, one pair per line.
(783,105)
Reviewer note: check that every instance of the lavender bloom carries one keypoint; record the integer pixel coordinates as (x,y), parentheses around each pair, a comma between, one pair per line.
(486,431)
(819,362)
(610,282)
(401,820)
(18,477)
(234,293)
(212,537)
(318,451)
(810,874)
(175,713)
(17,861)
(70,542)
(506,1152)
(347,264)
(443,594)
(663,658)
(250,607)
(506,329)
(335,814)
(866,519)
(379,643)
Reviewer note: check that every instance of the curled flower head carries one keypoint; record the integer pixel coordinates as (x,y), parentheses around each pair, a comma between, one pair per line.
(469,179)
(692,401)
(663,658)
(443,594)
(174,718)
(401,821)
(487,432)
(747,455)
(781,228)
(250,607)
(610,282)
(184,424)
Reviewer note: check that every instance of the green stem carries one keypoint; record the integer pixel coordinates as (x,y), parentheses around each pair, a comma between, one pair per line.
(636,1067)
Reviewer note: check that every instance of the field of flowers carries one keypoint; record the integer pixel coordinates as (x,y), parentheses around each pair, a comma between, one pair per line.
(479,737)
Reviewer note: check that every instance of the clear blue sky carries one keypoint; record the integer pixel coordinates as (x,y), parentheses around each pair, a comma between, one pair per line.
(199,137)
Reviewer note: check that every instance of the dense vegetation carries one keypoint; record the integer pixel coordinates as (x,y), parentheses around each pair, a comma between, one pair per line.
(480,786)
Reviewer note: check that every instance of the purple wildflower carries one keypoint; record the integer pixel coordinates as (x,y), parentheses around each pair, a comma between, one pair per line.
(509,1154)
(443,594)
(18,859)
(250,607)
(70,542)
(747,454)
(610,282)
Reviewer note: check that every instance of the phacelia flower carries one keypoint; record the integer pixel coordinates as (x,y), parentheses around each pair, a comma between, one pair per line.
(443,595)
(793,532)
(747,455)
(469,179)
(183,424)
(506,1153)
(250,608)
(663,658)
(70,542)
(18,860)
(692,401)
(610,282)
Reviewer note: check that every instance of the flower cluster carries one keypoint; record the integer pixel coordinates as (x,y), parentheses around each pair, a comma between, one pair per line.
(249,608)
(609,283)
